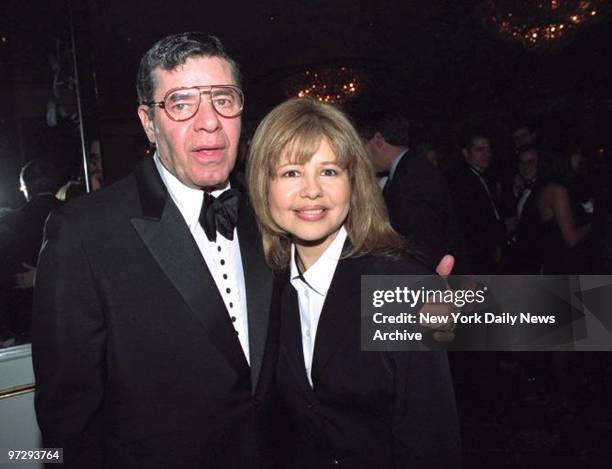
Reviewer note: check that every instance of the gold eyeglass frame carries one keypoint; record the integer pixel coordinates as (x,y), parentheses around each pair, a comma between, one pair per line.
(206,89)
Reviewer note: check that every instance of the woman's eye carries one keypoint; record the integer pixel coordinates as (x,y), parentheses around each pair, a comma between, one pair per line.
(329,172)
(292,173)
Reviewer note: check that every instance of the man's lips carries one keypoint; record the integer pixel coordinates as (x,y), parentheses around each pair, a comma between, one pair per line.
(311,213)
(208,151)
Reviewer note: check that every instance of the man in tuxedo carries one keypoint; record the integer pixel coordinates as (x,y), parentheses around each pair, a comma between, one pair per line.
(152,331)
(415,192)
(21,233)
(527,161)
(475,198)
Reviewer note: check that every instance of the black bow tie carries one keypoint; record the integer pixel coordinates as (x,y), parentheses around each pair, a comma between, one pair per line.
(220,214)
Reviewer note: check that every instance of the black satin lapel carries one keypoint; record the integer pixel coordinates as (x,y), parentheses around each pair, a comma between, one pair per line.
(342,305)
(399,170)
(151,189)
(258,280)
(173,247)
(291,334)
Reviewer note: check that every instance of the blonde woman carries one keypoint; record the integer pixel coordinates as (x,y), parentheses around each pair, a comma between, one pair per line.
(324,225)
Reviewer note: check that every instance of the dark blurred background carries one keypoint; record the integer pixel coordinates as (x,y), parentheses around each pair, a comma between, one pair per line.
(440,63)
(434,61)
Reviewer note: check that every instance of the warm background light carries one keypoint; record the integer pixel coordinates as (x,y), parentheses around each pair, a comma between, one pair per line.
(327,84)
(540,25)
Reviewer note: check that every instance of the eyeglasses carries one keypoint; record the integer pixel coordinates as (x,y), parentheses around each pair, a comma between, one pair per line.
(182,104)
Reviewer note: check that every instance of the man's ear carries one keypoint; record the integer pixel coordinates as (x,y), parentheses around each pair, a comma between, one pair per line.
(464,152)
(147,123)
(379,140)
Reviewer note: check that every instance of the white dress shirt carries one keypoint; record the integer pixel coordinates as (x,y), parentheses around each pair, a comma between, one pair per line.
(222,256)
(312,287)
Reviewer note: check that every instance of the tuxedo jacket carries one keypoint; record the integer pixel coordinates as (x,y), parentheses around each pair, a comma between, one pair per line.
(484,233)
(137,363)
(385,410)
(420,208)
(21,230)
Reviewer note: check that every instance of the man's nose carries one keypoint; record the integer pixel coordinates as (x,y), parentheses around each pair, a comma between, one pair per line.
(206,118)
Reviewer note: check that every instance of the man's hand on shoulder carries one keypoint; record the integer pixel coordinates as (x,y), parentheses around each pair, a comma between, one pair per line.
(442,330)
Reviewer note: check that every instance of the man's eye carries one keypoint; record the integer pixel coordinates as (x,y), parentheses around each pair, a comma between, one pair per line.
(180,106)
(223,102)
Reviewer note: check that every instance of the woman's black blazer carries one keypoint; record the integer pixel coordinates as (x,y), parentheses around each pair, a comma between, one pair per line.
(378,410)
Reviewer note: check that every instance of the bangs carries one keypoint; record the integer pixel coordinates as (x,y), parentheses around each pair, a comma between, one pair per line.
(304,142)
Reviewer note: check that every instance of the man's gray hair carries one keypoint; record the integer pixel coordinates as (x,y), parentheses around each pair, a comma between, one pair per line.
(172,51)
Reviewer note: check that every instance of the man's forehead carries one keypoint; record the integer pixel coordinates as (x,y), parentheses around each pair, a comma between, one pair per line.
(480,141)
(522,131)
(192,70)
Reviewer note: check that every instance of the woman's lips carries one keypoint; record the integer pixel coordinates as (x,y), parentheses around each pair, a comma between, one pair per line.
(311,213)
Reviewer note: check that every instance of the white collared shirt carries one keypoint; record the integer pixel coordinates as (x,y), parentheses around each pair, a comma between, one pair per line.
(312,287)
(221,256)
(382,182)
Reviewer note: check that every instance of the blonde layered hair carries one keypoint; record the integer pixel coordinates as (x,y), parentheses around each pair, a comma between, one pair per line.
(296,128)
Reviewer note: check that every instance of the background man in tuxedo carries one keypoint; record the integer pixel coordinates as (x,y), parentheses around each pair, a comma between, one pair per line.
(475,198)
(152,309)
(21,233)
(416,194)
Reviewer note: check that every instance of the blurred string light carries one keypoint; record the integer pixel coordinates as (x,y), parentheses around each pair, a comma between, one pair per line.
(328,84)
(540,25)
